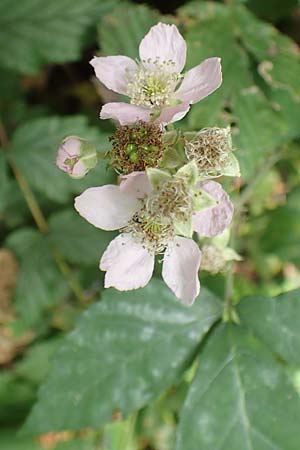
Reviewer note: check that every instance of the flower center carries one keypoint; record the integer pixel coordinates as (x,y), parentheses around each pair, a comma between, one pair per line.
(149,231)
(70,162)
(152,87)
(173,200)
(153,224)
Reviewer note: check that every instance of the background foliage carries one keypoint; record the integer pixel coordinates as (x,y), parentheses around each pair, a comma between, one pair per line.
(138,371)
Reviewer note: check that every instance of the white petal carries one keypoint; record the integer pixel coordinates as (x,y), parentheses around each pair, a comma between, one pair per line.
(180,269)
(127,264)
(200,81)
(106,207)
(164,42)
(124,113)
(173,113)
(213,221)
(113,71)
(136,183)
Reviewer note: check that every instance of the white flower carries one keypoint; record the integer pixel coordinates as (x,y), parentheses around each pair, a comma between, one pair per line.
(155,85)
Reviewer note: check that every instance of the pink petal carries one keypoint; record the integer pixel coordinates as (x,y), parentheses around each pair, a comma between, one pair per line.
(127,264)
(113,71)
(124,113)
(164,42)
(106,207)
(136,183)
(180,269)
(214,220)
(173,113)
(200,81)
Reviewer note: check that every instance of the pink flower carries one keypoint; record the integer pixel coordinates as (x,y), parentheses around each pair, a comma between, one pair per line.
(152,84)
(129,258)
(76,157)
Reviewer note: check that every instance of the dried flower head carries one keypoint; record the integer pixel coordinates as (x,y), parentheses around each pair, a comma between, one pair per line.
(136,147)
(211,149)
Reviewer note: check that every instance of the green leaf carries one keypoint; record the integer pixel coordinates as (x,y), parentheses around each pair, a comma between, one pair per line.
(121,31)
(241,398)
(278,55)
(76,239)
(40,284)
(124,351)
(261,68)
(34,148)
(275,322)
(282,234)
(35,32)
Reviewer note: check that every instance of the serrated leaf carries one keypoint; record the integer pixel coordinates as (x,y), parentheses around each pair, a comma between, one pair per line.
(241,398)
(40,285)
(34,148)
(123,352)
(78,241)
(35,32)
(121,30)
(275,322)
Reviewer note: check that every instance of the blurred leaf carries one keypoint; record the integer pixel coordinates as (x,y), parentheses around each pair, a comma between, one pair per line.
(10,441)
(271,9)
(124,351)
(34,147)
(241,398)
(254,56)
(4,182)
(40,285)
(260,129)
(36,361)
(121,30)
(282,234)
(275,322)
(35,32)
(77,240)
(278,56)
(16,397)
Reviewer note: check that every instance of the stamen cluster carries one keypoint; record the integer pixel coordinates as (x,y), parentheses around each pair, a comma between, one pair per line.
(152,87)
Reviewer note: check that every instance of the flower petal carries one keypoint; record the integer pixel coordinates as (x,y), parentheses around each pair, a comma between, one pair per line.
(214,220)
(136,183)
(124,113)
(180,269)
(106,207)
(200,81)
(113,71)
(173,113)
(164,42)
(128,265)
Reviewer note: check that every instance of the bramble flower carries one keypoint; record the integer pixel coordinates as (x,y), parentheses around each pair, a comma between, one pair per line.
(156,214)
(76,157)
(155,85)
(211,149)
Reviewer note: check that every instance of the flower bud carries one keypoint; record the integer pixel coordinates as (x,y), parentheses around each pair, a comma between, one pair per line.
(76,156)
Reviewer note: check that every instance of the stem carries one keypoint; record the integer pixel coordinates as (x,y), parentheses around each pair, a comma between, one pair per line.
(41,221)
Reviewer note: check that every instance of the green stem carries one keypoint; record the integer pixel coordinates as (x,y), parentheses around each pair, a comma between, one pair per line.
(41,221)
